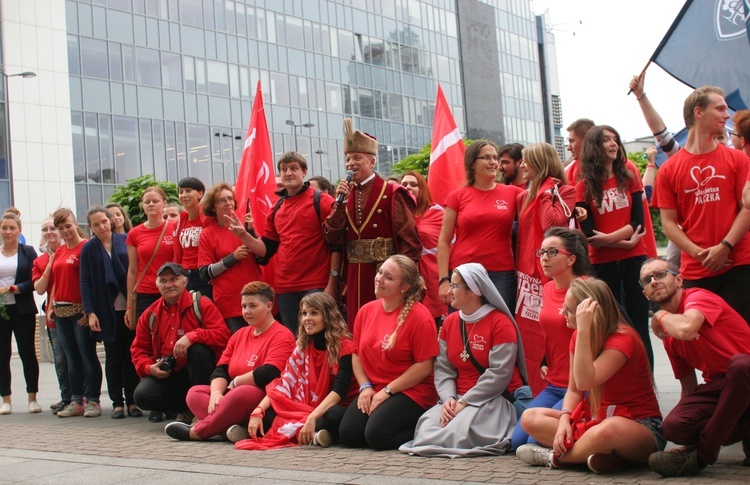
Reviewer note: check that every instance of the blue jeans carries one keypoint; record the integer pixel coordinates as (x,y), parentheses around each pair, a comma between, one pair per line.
(289,308)
(61,365)
(622,278)
(84,369)
(551,397)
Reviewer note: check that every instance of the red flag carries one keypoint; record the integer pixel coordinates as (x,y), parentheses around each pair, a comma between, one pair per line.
(256,180)
(446,171)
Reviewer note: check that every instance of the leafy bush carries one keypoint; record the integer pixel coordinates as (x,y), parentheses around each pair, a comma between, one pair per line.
(129,195)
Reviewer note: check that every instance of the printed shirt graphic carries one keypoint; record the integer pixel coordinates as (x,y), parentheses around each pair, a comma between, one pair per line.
(706,192)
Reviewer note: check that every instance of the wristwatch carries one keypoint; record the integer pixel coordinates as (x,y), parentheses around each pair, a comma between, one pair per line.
(387,390)
(335,273)
(462,402)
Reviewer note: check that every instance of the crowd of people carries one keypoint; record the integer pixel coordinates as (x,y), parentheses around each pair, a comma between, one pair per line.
(512,316)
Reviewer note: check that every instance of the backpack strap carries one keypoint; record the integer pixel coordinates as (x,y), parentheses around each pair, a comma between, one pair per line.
(197,306)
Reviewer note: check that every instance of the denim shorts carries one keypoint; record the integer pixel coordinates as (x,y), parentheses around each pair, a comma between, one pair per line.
(655,426)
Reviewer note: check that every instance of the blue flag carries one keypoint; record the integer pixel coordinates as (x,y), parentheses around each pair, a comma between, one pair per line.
(708,44)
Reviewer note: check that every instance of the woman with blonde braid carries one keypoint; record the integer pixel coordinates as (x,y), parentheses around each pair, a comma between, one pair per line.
(395,344)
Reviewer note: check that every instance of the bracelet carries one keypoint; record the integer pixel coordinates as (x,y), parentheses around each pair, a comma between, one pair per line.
(564,412)
(444,278)
(233,382)
(658,320)
(365,386)
(651,165)
(642,96)
(12,288)
(727,244)
(261,414)
(214,392)
(256,415)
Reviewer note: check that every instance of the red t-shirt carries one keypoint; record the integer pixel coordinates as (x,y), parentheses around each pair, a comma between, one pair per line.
(706,192)
(571,172)
(246,351)
(492,330)
(484,223)
(556,334)
(144,240)
(66,271)
(428,227)
(216,243)
(303,260)
(188,237)
(631,385)
(37,270)
(416,341)
(724,334)
(614,212)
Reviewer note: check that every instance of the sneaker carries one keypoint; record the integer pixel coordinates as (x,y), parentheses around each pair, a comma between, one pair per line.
(178,430)
(237,432)
(602,463)
(322,438)
(34,407)
(92,410)
(6,408)
(536,455)
(72,409)
(185,417)
(59,407)
(676,463)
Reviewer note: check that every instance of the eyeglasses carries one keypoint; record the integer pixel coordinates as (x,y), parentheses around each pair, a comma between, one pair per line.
(225,200)
(735,134)
(656,275)
(551,252)
(453,287)
(488,158)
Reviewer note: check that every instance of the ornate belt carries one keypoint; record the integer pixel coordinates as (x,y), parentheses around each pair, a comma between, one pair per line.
(370,250)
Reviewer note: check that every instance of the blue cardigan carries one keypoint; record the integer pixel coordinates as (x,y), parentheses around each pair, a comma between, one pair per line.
(25,304)
(102,279)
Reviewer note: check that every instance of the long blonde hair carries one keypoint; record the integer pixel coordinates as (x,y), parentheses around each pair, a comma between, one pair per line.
(608,319)
(410,277)
(543,158)
(335,326)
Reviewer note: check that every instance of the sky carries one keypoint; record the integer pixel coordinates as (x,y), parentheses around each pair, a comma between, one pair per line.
(614,42)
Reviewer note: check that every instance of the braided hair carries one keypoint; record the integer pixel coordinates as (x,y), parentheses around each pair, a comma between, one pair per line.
(410,277)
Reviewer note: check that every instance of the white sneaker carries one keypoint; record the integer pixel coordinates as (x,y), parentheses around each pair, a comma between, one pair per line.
(34,407)
(237,432)
(322,438)
(92,410)
(6,408)
(536,455)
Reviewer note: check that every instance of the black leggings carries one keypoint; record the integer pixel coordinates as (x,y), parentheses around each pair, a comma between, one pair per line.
(391,425)
(24,327)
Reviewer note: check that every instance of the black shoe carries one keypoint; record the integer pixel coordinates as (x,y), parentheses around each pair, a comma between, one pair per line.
(171,416)
(746,450)
(135,412)
(59,407)
(177,430)
(118,414)
(156,416)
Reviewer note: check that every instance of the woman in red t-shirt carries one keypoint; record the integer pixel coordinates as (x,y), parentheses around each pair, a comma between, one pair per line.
(611,191)
(254,357)
(429,219)
(564,256)
(84,369)
(618,425)
(141,243)
(224,260)
(310,397)
(476,373)
(480,216)
(548,202)
(395,343)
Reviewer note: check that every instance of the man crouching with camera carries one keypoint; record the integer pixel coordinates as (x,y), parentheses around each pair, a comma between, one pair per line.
(177,342)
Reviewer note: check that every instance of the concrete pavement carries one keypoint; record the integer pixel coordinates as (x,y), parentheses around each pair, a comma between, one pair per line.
(43,448)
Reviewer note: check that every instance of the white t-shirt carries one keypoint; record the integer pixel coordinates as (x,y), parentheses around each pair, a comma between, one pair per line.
(8,268)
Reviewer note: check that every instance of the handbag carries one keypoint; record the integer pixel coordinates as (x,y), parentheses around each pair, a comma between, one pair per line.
(133,298)
(67,310)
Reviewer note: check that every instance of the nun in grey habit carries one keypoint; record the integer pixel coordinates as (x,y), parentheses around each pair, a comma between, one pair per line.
(485,425)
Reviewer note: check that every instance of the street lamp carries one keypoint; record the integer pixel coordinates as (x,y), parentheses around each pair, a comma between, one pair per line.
(6,113)
(321,152)
(294,128)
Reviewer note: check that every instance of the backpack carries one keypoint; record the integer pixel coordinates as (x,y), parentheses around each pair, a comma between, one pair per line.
(196,295)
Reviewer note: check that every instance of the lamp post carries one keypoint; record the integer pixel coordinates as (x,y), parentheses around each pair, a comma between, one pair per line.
(8,160)
(294,128)
(321,152)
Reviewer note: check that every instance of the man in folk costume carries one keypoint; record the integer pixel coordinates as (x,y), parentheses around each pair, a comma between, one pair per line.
(375,221)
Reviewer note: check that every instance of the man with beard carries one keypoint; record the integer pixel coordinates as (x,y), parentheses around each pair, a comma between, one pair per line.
(700,331)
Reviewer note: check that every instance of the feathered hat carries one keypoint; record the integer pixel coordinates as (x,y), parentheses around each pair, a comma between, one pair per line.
(358,141)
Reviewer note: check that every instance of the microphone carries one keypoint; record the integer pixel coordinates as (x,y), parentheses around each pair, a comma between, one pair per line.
(349,175)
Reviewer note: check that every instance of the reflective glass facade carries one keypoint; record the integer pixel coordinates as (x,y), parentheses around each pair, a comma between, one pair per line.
(166,86)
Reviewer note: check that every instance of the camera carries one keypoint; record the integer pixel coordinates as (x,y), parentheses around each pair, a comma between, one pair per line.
(168,363)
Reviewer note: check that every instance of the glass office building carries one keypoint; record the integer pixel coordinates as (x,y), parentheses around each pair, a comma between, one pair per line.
(165,87)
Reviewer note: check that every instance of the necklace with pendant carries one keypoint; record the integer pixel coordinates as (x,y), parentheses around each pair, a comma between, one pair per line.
(465,339)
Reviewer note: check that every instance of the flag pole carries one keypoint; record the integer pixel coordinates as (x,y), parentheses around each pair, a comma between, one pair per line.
(642,73)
